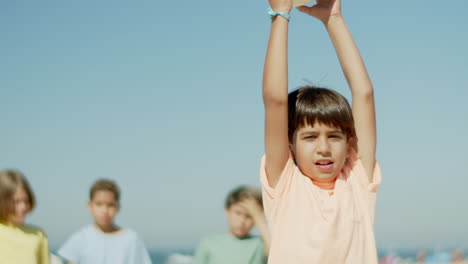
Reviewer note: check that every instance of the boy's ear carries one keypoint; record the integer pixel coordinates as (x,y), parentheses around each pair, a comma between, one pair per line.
(292,149)
(292,145)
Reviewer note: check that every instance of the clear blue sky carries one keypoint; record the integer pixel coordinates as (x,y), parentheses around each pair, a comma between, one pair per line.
(164,97)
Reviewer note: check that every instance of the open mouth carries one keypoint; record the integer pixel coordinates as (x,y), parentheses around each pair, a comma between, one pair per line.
(324,164)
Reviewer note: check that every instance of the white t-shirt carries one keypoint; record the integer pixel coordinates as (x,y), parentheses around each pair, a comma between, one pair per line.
(90,246)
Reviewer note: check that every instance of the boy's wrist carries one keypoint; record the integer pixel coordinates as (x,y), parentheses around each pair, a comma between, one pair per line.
(256,216)
(334,20)
(275,13)
(281,9)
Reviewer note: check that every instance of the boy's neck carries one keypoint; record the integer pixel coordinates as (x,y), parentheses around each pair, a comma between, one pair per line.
(12,224)
(107,229)
(246,236)
(325,185)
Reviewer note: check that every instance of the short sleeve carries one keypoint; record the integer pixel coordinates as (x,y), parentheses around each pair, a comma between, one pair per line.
(139,252)
(285,177)
(376,179)
(202,253)
(367,190)
(358,171)
(44,253)
(72,248)
(260,257)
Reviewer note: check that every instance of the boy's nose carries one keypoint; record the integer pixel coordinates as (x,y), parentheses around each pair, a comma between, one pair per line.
(323,146)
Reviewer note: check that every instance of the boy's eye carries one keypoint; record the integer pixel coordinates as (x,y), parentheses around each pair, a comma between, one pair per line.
(310,137)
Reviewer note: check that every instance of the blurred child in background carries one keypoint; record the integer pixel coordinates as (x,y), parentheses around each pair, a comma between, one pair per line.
(19,243)
(104,242)
(243,209)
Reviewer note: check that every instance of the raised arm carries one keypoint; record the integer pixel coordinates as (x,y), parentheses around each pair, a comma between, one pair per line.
(329,12)
(275,94)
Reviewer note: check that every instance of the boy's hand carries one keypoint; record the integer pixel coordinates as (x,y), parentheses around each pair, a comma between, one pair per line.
(256,212)
(283,6)
(324,10)
(253,208)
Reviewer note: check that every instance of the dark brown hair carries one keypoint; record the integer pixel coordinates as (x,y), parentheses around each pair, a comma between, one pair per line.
(242,192)
(308,105)
(105,185)
(10,181)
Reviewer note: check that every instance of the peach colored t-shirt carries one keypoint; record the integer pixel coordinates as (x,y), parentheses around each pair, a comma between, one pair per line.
(309,225)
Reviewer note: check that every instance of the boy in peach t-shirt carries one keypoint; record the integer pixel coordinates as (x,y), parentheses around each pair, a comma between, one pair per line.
(319,181)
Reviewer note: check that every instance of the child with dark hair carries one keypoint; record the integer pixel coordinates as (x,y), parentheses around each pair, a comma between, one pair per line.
(104,242)
(243,209)
(319,174)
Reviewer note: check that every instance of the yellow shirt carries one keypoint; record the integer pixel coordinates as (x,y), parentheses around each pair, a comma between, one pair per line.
(23,245)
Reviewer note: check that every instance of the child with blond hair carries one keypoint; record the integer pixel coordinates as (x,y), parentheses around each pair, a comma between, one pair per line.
(20,243)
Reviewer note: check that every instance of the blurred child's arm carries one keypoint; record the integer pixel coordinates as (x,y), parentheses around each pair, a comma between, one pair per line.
(256,212)
(329,12)
(275,94)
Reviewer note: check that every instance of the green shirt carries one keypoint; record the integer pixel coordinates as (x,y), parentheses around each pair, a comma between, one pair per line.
(228,249)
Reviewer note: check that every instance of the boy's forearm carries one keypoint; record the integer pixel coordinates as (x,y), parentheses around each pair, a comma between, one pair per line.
(275,75)
(363,105)
(261,224)
(275,99)
(349,56)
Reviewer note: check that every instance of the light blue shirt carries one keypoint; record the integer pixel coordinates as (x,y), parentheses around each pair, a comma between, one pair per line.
(91,246)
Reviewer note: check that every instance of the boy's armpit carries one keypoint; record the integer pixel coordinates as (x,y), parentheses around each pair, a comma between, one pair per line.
(360,175)
(376,179)
(277,191)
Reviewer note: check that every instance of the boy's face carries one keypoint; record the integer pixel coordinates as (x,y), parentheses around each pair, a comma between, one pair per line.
(21,206)
(239,220)
(103,207)
(320,151)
